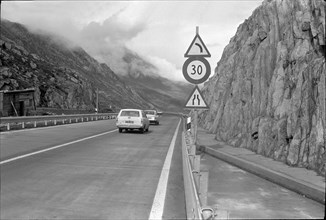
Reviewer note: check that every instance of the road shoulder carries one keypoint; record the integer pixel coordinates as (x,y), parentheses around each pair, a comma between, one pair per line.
(300,180)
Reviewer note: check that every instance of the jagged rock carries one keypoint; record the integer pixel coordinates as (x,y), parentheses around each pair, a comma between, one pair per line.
(7,46)
(33,65)
(24,51)
(5,72)
(280,151)
(269,86)
(14,84)
(305,26)
(29,74)
(262,35)
(267,137)
(17,52)
(294,149)
(74,80)
(35,56)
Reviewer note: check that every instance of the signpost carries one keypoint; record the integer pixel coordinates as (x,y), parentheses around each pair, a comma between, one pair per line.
(196,70)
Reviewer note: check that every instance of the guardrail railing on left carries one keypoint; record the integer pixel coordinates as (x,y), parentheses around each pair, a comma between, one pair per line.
(9,123)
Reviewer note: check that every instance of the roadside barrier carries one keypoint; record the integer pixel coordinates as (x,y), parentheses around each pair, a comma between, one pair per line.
(195,181)
(10,123)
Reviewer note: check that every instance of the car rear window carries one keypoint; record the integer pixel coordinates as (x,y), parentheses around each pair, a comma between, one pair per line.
(130,113)
(150,112)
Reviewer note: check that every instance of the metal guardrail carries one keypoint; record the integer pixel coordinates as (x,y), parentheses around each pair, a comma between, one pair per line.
(193,206)
(23,121)
(195,180)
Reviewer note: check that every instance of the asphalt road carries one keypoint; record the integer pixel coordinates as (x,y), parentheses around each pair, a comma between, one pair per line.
(90,172)
(242,195)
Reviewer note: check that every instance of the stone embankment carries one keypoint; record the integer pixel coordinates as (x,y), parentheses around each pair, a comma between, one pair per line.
(268,91)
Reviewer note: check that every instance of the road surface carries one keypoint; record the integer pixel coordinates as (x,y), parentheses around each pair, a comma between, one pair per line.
(243,195)
(90,172)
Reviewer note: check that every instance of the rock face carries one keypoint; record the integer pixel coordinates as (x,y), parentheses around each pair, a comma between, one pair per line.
(268,92)
(63,76)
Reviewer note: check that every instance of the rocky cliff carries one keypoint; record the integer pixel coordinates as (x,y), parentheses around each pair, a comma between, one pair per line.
(63,75)
(268,91)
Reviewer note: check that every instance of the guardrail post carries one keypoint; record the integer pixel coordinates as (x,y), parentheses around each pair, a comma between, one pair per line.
(203,187)
(23,125)
(192,150)
(69,120)
(55,122)
(192,154)
(46,123)
(34,124)
(82,119)
(196,170)
(8,127)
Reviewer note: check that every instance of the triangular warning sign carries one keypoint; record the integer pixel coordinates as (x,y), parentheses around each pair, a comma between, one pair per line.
(197,48)
(196,100)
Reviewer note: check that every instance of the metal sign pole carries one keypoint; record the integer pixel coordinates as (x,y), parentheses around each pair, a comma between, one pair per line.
(197,70)
(195,125)
(96,101)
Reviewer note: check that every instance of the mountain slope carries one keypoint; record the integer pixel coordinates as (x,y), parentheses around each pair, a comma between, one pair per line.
(64,76)
(143,77)
(268,92)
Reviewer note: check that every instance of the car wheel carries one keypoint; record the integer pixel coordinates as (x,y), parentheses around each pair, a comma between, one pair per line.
(120,130)
(141,130)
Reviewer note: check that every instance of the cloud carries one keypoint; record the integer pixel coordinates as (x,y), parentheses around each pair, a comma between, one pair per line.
(113,28)
(166,69)
(106,40)
(159,31)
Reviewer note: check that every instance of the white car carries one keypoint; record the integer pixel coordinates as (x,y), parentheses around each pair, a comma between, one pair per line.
(152,116)
(130,119)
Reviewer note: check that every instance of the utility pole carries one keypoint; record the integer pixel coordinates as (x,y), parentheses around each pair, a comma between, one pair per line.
(97,110)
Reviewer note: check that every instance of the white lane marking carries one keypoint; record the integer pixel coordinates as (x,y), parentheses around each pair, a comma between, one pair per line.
(55,147)
(159,199)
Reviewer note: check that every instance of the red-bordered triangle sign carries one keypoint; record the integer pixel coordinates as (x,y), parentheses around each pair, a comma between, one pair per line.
(196,100)
(197,48)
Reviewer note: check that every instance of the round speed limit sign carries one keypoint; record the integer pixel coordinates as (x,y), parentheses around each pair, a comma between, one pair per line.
(196,69)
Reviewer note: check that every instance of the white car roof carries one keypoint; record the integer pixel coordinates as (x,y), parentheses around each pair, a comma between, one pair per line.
(130,109)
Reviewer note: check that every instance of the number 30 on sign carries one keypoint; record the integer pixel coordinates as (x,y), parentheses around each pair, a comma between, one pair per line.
(196,69)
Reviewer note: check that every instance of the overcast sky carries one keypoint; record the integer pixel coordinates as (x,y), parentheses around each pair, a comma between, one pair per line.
(159,31)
